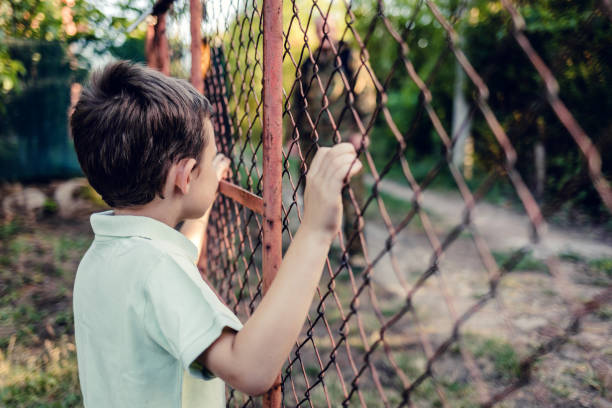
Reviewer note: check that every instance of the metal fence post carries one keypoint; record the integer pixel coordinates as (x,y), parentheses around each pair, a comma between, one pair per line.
(272,166)
(195,20)
(156,45)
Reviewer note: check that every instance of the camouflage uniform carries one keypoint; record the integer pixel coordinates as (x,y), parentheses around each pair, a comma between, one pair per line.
(309,105)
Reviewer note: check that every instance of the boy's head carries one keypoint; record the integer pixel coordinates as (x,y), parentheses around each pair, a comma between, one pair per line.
(136,131)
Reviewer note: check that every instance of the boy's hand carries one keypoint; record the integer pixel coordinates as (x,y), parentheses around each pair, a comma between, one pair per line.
(330,169)
(221,165)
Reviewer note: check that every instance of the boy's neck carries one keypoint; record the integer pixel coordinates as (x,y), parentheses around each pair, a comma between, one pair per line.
(158,209)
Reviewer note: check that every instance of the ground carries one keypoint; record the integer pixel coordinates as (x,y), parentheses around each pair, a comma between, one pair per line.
(568,266)
(37,357)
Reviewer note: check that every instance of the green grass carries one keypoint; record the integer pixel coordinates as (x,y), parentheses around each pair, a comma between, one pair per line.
(334,390)
(459,393)
(571,256)
(9,229)
(389,312)
(50,206)
(527,263)
(602,265)
(65,247)
(604,313)
(499,352)
(599,268)
(37,361)
(504,357)
(48,382)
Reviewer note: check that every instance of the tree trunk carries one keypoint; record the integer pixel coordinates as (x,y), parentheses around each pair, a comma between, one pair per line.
(461,121)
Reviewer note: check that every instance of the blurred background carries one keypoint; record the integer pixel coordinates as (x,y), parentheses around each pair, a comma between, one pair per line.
(48,48)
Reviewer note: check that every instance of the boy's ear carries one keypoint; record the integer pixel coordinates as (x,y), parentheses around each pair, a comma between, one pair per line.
(183,174)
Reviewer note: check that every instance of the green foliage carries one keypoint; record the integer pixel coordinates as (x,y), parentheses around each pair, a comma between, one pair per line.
(42,21)
(10,70)
(35,142)
(575,41)
(44,48)
(37,65)
(428,53)
(133,48)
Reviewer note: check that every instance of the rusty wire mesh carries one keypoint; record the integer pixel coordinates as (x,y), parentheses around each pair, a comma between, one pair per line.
(434,316)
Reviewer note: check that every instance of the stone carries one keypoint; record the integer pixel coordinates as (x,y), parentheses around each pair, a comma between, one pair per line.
(67,197)
(28,202)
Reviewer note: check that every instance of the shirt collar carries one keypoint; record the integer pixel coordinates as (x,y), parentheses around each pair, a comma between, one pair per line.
(108,224)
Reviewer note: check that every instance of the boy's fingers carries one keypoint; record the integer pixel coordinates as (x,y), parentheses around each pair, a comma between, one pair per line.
(218,158)
(349,169)
(343,148)
(354,169)
(316,162)
(338,153)
(338,169)
(221,165)
(331,153)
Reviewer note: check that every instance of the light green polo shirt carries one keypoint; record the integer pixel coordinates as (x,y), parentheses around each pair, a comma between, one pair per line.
(142,314)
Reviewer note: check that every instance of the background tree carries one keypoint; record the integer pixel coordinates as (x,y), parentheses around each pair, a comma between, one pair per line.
(46,47)
(575,41)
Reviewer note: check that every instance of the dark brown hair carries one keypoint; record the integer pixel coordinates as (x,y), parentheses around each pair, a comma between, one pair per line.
(130,125)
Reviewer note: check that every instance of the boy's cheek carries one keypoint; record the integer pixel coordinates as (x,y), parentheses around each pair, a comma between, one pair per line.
(209,193)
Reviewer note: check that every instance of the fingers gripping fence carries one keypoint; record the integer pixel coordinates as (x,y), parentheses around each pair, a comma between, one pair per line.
(417,305)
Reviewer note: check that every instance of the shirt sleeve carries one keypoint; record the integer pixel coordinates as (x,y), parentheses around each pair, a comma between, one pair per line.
(182,313)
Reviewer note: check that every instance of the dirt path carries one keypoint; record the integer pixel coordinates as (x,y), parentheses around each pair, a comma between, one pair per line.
(528,301)
(503,229)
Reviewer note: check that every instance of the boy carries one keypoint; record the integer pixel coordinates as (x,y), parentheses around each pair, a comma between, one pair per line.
(146,325)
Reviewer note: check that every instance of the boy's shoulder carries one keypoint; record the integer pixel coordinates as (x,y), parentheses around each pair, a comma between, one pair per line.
(138,245)
(146,231)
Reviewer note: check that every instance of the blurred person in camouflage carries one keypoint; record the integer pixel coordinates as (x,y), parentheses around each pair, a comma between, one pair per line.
(324,118)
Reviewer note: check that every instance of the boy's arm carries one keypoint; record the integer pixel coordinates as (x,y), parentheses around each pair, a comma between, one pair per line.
(250,359)
(194,230)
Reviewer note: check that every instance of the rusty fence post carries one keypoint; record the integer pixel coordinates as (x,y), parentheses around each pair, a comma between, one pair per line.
(157,49)
(195,20)
(272,166)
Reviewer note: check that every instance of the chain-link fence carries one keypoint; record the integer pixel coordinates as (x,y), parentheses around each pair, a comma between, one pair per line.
(457,278)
